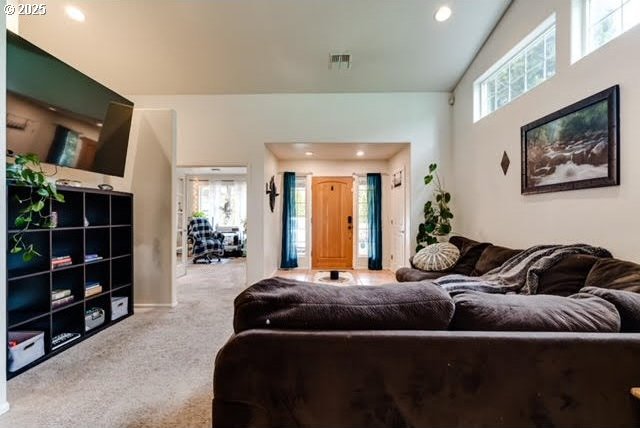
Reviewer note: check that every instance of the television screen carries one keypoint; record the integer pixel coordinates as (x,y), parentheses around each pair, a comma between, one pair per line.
(62,115)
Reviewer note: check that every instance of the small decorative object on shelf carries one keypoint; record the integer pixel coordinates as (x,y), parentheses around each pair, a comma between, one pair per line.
(105,186)
(68,182)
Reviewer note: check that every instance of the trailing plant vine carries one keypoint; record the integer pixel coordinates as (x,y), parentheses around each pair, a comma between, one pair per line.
(27,172)
(437,216)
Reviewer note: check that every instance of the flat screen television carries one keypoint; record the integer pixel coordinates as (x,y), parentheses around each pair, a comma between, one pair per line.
(61,114)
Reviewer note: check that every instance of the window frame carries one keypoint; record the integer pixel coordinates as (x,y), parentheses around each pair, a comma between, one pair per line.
(301,183)
(522,48)
(361,181)
(581,28)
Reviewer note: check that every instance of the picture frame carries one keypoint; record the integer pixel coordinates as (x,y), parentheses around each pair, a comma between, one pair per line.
(577,147)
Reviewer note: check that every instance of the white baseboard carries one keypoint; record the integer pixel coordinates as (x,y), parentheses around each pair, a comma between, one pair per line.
(4,407)
(155,305)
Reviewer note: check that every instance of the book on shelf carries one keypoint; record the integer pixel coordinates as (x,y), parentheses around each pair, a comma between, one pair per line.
(60,293)
(61,302)
(92,258)
(57,262)
(93,291)
(92,284)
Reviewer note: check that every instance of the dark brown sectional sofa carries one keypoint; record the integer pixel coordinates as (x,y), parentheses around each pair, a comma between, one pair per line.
(291,365)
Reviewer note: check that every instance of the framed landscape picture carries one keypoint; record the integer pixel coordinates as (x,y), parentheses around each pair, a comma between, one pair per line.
(574,148)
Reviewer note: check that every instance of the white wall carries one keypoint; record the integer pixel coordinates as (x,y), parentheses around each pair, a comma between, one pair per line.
(154,209)
(232,129)
(4,406)
(271,224)
(489,205)
(400,216)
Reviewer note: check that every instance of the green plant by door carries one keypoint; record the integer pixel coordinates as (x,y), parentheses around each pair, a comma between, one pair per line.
(27,172)
(437,214)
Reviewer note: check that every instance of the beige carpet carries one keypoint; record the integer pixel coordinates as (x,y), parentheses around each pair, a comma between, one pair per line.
(154,369)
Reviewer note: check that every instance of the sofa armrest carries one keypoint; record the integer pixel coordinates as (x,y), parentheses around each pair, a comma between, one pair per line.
(267,378)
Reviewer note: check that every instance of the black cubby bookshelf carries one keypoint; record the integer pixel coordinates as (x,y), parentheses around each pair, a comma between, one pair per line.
(88,222)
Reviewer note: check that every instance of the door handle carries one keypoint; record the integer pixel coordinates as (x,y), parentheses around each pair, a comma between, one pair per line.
(349,219)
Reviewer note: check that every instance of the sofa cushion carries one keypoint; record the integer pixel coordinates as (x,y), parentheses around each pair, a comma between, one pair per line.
(626,302)
(512,312)
(416,275)
(567,276)
(437,257)
(280,303)
(492,257)
(470,252)
(615,274)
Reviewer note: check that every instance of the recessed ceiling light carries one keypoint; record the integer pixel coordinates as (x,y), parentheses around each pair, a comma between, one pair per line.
(442,14)
(359,153)
(52,108)
(74,13)
(308,153)
(99,124)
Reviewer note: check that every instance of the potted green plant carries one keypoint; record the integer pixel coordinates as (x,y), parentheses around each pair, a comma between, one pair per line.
(27,172)
(437,216)
(199,214)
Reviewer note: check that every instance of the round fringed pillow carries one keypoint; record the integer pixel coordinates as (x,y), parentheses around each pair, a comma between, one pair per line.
(437,257)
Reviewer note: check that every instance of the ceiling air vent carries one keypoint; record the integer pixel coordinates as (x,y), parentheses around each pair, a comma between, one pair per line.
(339,61)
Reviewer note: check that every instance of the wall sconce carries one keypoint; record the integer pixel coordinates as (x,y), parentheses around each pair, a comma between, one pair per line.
(272,191)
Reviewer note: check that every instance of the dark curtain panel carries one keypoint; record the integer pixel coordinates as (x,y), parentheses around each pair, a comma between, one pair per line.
(289,257)
(374,200)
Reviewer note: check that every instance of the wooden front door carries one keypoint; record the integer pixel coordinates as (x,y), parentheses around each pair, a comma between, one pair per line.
(332,222)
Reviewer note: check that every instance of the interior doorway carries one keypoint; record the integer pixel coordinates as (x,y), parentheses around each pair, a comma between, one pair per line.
(332,222)
(211,217)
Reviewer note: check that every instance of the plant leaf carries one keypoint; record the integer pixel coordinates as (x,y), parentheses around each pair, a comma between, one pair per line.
(433,167)
(428,179)
(447,197)
(38,206)
(16,250)
(20,222)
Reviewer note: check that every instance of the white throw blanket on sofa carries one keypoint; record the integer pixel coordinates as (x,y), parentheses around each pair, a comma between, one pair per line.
(521,273)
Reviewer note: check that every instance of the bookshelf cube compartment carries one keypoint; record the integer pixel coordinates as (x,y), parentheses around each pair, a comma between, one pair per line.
(14,206)
(97,243)
(68,279)
(121,210)
(68,243)
(98,272)
(121,272)
(120,241)
(68,320)
(27,298)
(96,209)
(42,324)
(126,291)
(69,213)
(103,302)
(16,266)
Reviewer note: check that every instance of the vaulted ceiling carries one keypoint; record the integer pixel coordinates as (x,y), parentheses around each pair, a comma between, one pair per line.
(266,46)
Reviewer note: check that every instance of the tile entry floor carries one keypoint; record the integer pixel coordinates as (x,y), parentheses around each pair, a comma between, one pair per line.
(361,276)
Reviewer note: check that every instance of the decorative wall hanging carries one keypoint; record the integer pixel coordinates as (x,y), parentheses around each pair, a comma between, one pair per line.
(396,179)
(505,162)
(574,148)
(272,191)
